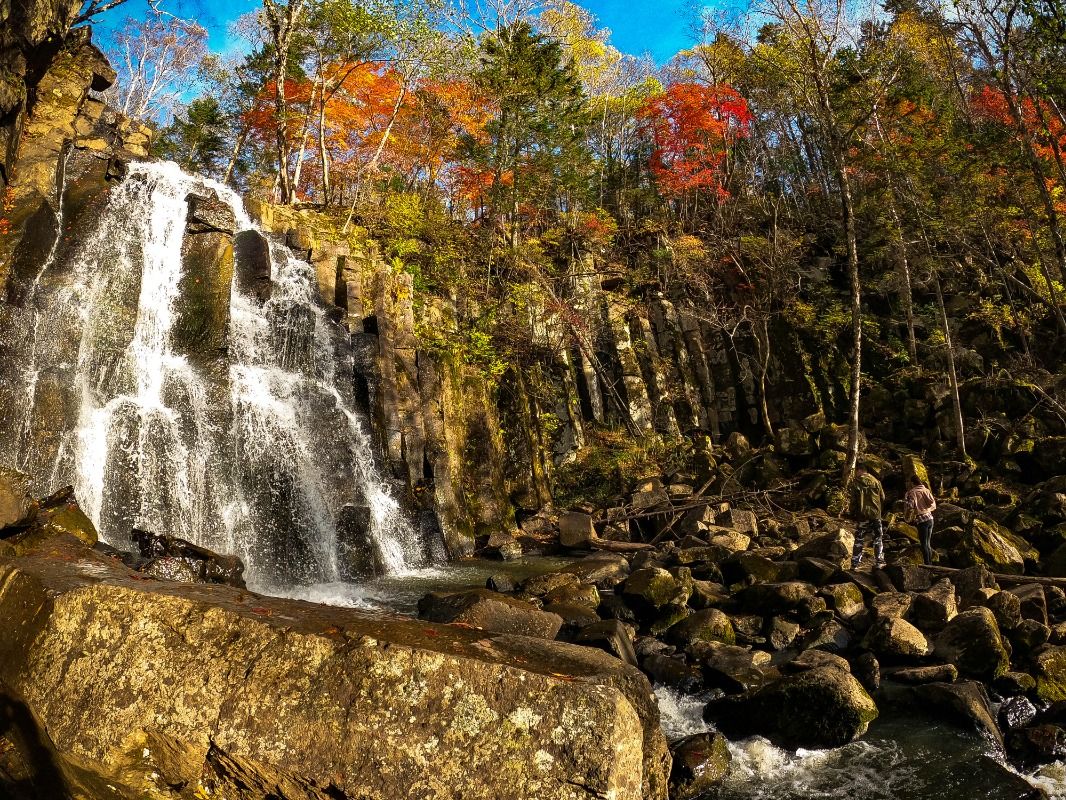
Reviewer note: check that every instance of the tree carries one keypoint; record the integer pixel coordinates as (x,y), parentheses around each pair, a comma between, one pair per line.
(282,23)
(534,143)
(156,59)
(196,138)
(692,127)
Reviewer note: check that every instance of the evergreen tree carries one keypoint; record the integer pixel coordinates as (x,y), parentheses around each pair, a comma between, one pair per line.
(196,138)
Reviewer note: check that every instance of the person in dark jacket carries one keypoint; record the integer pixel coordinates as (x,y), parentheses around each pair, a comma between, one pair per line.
(920,505)
(867,498)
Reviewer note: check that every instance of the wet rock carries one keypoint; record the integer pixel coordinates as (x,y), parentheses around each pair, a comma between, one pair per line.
(672,672)
(972,642)
(896,639)
(821,707)
(699,763)
(301,695)
(708,625)
(208,213)
(498,613)
(1035,746)
(171,568)
(1016,712)
(609,635)
(16,503)
(730,668)
(56,515)
(503,545)
(576,530)
(965,703)
(206,565)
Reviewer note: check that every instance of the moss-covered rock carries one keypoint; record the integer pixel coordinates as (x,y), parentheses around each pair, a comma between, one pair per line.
(990,544)
(708,625)
(700,763)
(820,707)
(972,642)
(1050,674)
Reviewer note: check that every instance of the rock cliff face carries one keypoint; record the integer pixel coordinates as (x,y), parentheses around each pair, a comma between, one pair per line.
(166,690)
(58,141)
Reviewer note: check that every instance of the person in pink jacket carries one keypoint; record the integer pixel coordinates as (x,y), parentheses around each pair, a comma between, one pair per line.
(920,505)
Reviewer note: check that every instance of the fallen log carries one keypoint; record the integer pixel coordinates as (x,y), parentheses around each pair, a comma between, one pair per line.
(618,547)
(1004,579)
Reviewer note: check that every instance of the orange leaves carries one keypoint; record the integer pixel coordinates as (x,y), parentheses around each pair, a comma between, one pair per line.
(692,127)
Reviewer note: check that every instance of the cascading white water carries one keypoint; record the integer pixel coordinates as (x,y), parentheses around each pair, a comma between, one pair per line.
(263,455)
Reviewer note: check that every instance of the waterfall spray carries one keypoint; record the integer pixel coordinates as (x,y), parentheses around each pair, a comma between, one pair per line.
(259,450)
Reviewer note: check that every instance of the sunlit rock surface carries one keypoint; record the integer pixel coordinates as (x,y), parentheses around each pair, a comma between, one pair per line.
(164,690)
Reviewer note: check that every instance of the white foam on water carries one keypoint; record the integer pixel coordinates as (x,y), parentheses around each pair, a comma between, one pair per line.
(1050,777)
(680,714)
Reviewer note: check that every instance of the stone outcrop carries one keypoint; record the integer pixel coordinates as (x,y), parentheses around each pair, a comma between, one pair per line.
(164,690)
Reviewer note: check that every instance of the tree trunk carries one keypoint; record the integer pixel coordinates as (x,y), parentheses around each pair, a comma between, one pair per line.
(238,145)
(848,209)
(960,430)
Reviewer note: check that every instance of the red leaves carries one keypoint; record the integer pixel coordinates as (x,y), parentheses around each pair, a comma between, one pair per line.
(692,127)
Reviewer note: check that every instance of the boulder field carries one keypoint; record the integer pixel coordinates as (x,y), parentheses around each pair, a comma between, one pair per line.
(159,689)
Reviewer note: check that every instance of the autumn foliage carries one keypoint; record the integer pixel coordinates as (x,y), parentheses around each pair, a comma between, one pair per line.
(692,127)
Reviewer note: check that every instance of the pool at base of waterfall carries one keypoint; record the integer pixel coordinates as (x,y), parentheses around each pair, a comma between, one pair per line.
(900,758)
(399,593)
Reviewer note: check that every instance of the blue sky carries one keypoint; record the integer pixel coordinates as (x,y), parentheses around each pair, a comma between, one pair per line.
(659,27)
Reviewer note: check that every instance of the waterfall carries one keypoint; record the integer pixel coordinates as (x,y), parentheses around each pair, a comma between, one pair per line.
(257,450)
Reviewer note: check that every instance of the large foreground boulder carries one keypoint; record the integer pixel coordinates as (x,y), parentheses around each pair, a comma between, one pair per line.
(147,685)
(820,707)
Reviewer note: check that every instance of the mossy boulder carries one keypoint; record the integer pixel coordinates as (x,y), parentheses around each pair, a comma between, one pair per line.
(1050,674)
(57,516)
(990,544)
(655,587)
(700,762)
(708,625)
(973,643)
(817,708)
